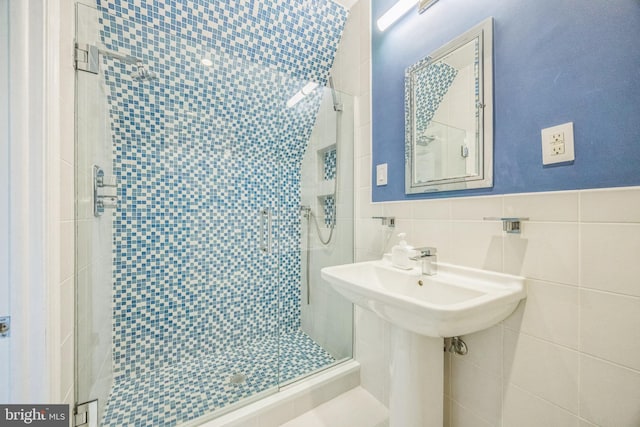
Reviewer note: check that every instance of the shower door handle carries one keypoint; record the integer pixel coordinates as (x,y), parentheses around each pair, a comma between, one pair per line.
(265,231)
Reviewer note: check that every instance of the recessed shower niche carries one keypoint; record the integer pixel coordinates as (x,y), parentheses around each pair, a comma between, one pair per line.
(327,168)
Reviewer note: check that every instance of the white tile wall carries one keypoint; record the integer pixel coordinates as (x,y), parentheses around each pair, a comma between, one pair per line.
(609,393)
(569,355)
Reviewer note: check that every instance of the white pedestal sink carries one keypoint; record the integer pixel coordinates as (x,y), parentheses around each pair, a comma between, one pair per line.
(423,310)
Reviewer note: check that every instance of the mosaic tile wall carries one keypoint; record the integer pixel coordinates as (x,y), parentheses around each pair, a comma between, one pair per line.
(431,86)
(329,172)
(330,163)
(198,153)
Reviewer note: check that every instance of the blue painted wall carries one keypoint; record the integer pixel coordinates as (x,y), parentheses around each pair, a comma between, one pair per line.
(555,61)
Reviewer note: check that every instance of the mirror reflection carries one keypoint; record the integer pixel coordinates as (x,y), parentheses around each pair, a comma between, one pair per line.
(446,112)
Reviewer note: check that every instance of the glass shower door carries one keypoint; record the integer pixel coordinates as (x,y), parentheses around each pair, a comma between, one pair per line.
(177,259)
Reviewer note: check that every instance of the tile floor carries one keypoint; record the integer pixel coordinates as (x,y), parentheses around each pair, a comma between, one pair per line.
(176,394)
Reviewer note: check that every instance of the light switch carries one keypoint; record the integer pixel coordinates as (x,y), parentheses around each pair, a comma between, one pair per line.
(381,174)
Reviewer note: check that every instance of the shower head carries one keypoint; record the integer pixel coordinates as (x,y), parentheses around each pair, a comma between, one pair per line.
(141,73)
(337,105)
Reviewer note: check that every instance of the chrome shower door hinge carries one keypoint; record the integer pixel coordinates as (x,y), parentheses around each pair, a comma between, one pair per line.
(86,58)
(86,414)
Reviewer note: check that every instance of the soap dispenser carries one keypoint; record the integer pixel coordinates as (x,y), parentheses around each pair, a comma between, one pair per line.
(401,253)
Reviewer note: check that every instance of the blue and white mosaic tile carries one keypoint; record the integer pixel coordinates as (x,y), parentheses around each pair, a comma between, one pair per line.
(431,85)
(330,163)
(204,384)
(197,154)
(329,206)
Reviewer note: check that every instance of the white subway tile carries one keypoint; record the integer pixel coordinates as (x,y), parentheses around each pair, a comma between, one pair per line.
(66,308)
(364,113)
(363,145)
(364,254)
(477,244)
(487,349)
(522,409)
(66,362)
(610,327)
(463,417)
(542,368)
(545,251)
(609,394)
(364,171)
(476,389)
(436,234)
(67,193)
(476,208)
(550,311)
(556,206)
(365,35)
(85,243)
(609,257)
(365,76)
(66,250)
(610,205)
(433,209)
(399,209)
(364,208)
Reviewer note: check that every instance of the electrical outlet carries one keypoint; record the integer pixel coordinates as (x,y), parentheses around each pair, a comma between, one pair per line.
(557,144)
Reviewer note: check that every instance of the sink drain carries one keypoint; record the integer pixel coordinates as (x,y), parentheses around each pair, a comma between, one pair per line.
(237,379)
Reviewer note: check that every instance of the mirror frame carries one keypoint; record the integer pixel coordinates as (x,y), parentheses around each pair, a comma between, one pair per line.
(484,131)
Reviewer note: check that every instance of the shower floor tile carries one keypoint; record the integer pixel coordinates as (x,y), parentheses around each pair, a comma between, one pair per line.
(176,394)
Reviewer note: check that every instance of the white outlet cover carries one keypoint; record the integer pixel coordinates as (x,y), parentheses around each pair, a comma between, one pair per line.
(548,157)
(381,174)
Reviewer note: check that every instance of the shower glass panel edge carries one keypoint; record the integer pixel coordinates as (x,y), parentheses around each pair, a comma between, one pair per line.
(326,201)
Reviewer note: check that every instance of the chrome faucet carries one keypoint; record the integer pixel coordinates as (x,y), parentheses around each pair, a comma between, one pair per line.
(428,259)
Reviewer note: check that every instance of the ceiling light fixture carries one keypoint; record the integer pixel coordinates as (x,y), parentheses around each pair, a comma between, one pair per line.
(399,9)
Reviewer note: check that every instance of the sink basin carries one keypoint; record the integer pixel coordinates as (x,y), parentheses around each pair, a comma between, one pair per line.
(456,301)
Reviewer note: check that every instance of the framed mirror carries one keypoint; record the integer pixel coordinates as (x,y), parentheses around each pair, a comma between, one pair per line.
(449,115)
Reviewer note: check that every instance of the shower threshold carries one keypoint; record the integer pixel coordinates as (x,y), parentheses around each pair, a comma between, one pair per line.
(179,393)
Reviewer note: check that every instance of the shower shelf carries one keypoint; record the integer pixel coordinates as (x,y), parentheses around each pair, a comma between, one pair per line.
(325,188)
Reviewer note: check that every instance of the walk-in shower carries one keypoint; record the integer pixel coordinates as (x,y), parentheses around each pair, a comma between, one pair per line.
(191,298)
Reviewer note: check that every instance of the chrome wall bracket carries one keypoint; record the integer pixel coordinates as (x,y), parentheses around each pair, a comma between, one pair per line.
(509,225)
(388,221)
(103,201)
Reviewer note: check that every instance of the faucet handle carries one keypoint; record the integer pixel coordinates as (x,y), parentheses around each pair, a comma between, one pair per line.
(424,252)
